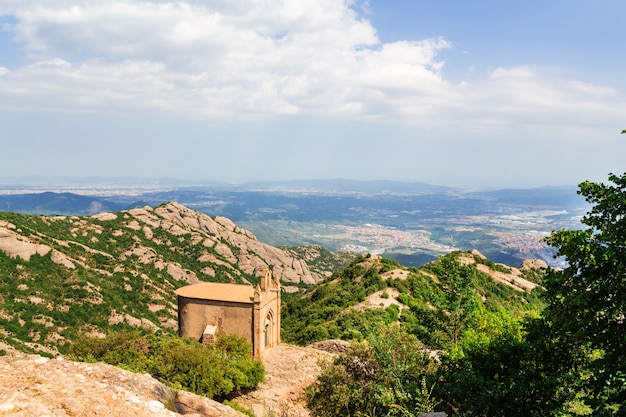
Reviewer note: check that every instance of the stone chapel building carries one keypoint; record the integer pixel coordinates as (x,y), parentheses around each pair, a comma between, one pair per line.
(252,312)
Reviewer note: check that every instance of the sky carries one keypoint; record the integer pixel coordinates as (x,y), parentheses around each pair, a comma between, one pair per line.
(485,93)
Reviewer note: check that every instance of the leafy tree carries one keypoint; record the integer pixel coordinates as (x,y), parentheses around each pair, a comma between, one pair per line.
(574,355)
(510,375)
(455,304)
(384,376)
(587,300)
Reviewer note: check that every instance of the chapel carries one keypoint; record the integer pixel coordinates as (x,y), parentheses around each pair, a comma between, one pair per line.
(207,309)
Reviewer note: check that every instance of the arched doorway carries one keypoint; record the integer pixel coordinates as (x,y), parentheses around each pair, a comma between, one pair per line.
(268,330)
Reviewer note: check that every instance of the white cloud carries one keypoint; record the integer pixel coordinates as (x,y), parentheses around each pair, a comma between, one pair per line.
(264,57)
(519,72)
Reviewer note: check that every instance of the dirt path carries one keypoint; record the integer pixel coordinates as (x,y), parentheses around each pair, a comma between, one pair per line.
(288,370)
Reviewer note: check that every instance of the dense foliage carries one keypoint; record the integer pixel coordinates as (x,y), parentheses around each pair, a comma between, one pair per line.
(442,303)
(509,376)
(572,359)
(588,299)
(451,308)
(213,371)
(385,375)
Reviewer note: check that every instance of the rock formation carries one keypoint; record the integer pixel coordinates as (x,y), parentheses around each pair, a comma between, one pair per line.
(222,234)
(33,385)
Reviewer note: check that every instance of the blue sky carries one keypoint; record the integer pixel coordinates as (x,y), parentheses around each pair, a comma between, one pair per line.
(484,93)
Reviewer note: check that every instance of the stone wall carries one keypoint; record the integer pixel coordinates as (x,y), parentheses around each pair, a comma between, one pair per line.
(195,315)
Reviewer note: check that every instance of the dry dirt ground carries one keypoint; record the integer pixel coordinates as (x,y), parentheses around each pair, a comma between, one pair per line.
(288,370)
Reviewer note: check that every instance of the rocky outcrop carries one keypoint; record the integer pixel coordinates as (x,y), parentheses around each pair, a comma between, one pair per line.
(335,346)
(511,278)
(529,264)
(37,386)
(224,235)
(33,385)
(197,406)
(236,248)
(14,245)
(380,299)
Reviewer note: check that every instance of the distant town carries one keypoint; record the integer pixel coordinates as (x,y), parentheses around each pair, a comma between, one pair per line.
(410,222)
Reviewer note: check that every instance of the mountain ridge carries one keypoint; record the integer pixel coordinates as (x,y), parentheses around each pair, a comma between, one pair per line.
(67,275)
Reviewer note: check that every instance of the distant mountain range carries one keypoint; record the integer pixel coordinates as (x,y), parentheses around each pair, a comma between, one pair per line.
(411,222)
(57,203)
(67,195)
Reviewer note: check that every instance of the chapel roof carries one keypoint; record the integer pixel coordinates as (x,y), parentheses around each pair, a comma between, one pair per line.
(218,291)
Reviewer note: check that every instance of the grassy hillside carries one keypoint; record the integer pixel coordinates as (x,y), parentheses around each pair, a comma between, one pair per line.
(458,297)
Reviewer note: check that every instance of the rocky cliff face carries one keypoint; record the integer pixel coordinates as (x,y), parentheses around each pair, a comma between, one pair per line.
(232,245)
(63,276)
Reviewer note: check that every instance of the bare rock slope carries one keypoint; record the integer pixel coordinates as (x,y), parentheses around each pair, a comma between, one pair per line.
(33,385)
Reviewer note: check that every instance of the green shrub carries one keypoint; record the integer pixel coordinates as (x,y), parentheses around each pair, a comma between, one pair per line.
(182,363)
(385,376)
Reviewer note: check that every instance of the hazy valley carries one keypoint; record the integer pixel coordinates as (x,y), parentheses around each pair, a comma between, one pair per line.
(410,222)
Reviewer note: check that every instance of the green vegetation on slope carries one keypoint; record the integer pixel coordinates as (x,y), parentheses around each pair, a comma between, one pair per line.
(442,303)
(387,375)
(462,309)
